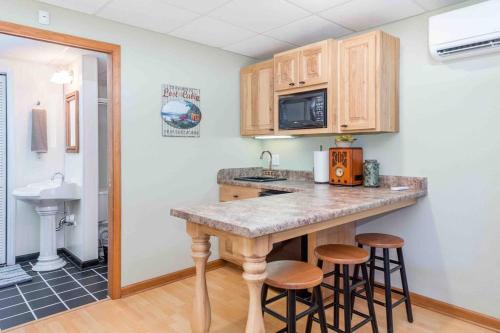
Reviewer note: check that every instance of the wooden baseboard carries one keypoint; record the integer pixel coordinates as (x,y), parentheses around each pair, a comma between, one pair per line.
(167,278)
(451,310)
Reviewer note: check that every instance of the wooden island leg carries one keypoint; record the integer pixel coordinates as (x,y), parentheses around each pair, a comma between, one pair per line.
(255,251)
(255,274)
(200,251)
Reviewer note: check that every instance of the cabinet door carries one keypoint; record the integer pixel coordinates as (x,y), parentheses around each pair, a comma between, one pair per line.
(357,83)
(286,70)
(313,62)
(257,99)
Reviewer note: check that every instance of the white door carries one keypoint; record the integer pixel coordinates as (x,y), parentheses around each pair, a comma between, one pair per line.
(3,168)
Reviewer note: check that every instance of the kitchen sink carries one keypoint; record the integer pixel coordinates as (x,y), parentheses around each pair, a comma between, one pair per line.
(259,179)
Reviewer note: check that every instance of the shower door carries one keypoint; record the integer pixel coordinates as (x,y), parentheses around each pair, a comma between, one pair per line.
(3,168)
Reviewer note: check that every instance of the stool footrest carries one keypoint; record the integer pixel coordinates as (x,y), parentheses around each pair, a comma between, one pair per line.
(354,328)
(381,286)
(399,301)
(392,261)
(301,315)
(394,269)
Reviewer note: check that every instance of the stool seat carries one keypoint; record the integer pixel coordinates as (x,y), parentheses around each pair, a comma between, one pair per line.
(341,254)
(293,275)
(383,241)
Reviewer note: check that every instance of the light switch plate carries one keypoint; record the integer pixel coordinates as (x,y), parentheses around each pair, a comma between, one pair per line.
(276,159)
(43,17)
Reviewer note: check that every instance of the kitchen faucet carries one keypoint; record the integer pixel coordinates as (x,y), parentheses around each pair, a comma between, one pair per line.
(58,174)
(270,158)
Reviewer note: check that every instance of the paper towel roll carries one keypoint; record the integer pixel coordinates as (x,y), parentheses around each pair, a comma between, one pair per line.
(321,167)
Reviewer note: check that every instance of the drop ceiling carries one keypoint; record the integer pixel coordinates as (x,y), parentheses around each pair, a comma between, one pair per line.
(25,49)
(255,28)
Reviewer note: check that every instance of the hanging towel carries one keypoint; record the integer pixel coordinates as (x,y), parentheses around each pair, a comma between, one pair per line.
(39,131)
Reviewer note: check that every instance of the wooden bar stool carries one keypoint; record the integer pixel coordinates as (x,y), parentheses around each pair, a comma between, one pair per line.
(386,242)
(290,276)
(345,255)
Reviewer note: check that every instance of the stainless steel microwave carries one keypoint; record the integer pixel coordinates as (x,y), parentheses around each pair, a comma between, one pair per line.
(303,110)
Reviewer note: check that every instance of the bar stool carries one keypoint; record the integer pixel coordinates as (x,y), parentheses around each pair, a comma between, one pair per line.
(289,276)
(386,242)
(345,255)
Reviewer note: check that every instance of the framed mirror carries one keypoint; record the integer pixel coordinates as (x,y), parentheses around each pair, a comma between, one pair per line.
(72,123)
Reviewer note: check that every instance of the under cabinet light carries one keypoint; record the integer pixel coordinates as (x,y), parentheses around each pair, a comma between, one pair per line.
(270,137)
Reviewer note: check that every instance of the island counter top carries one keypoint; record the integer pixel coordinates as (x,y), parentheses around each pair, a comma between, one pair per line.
(307,204)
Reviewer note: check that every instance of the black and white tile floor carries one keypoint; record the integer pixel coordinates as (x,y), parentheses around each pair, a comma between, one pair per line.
(51,292)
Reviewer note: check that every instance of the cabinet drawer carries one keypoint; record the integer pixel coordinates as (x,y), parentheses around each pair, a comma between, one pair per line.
(229,193)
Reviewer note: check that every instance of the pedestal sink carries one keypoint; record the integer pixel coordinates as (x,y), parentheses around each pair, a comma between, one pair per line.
(46,197)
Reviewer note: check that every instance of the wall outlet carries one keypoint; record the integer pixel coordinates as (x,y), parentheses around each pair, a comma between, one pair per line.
(276,159)
(43,17)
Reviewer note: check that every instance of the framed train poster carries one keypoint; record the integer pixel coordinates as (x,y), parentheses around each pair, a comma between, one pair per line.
(180,111)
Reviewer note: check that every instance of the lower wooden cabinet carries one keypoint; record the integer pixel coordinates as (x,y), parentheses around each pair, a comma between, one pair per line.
(230,193)
(256,99)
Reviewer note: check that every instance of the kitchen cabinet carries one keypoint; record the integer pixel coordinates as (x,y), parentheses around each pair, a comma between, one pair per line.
(302,67)
(230,193)
(368,83)
(256,99)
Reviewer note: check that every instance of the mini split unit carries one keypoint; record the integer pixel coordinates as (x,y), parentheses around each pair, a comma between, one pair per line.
(465,32)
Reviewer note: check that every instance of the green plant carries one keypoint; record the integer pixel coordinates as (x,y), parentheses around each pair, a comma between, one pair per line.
(345,138)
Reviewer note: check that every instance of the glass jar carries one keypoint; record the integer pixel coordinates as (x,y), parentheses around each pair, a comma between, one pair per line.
(371,173)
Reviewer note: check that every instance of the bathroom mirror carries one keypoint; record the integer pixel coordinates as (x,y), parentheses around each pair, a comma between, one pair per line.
(72,123)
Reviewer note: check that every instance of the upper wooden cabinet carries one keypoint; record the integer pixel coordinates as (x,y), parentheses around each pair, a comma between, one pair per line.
(286,70)
(369,83)
(256,99)
(302,67)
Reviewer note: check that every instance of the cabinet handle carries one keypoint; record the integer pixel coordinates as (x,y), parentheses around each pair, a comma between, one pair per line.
(291,84)
(235,196)
(344,126)
(302,82)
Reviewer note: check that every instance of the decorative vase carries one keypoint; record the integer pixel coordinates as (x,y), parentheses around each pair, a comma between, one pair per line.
(371,173)
(343,144)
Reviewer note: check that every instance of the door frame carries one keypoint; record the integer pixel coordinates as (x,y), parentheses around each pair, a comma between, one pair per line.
(114,133)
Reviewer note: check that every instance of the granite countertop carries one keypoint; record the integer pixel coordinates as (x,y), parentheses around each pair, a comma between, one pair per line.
(308,203)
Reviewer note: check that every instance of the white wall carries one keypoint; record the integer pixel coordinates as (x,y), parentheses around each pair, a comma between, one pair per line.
(450,114)
(29,82)
(159,173)
(82,167)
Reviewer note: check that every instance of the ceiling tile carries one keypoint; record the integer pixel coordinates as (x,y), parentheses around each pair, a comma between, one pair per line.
(364,14)
(259,47)
(308,30)
(207,30)
(435,4)
(87,6)
(259,15)
(154,15)
(198,6)
(317,5)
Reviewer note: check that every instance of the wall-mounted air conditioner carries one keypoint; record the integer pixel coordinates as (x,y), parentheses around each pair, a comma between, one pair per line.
(465,32)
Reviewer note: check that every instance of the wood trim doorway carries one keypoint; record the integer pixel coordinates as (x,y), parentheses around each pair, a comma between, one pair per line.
(114,134)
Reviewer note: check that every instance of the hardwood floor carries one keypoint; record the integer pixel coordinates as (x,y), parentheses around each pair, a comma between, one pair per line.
(167,309)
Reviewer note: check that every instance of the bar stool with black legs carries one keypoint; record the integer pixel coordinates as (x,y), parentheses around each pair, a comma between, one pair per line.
(342,256)
(288,277)
(386,242)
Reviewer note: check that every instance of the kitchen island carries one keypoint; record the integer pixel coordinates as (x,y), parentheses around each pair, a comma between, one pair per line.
(254,225)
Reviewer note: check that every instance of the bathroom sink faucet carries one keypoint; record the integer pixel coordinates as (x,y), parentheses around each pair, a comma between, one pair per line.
(270,158)
(58,174)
